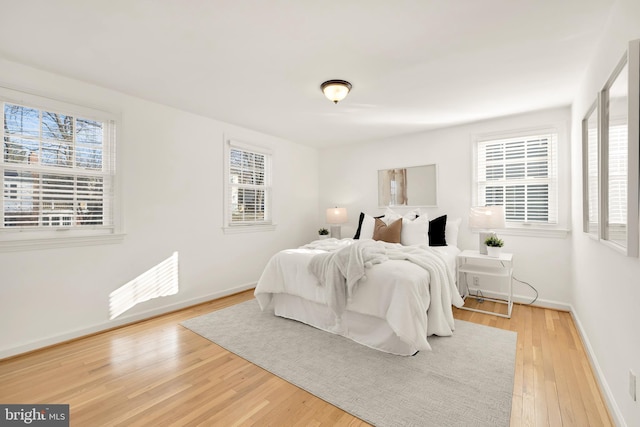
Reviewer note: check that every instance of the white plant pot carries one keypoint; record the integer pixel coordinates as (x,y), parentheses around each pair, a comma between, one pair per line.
(493,251)
(323,236)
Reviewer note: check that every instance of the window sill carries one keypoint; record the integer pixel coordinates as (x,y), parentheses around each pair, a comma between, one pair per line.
(555,233)
(28,244)
(234,229)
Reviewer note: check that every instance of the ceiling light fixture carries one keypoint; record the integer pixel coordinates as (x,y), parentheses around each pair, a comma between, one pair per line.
(335,90)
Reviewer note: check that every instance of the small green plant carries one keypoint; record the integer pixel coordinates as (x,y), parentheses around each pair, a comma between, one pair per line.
(494,241)
(323,232)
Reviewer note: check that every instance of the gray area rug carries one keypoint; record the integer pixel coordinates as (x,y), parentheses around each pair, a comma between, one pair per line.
(466,380)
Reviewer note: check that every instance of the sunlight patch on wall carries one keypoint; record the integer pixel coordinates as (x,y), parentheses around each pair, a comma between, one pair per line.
(159,281)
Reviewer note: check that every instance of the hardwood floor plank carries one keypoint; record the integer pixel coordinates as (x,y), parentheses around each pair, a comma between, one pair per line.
(158,373)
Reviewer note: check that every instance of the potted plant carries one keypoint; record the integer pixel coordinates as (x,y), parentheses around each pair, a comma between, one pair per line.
(493,246)
(323,233)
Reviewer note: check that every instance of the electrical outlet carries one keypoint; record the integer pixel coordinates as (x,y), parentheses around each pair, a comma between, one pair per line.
(632,386)
(476,281)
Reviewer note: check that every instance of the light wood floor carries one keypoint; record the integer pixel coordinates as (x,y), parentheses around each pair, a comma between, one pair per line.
(158,373)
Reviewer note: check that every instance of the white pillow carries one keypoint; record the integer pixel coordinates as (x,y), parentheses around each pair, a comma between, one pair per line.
(390,215)
(367,227)
(415,226)
(415,232)
(451,231)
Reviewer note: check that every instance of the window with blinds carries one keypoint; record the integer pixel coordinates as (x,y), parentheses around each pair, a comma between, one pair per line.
(519,174)
(57,169)
(248,186)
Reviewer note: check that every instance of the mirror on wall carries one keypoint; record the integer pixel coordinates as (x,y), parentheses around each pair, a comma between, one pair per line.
(616,102)
(590,179)
(409,186)
(611,158)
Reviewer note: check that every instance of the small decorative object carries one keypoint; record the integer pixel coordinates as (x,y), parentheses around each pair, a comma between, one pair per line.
(323,233)
(493,246)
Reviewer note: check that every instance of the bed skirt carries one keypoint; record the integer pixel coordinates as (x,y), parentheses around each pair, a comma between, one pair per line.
(361,328)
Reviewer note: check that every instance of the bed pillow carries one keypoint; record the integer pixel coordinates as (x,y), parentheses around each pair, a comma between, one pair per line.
(390,215)
(388,233)
(437,231)
(366,224)
(415,232)
(451,231)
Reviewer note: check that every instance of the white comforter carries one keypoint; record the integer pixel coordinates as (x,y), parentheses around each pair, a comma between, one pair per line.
(411,287)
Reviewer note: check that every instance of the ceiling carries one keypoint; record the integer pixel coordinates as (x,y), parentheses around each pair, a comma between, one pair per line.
(414,65)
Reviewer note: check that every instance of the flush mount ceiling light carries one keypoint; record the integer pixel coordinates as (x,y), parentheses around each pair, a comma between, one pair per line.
(335,90)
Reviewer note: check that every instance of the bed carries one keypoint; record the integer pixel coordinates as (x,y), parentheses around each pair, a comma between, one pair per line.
(386,295)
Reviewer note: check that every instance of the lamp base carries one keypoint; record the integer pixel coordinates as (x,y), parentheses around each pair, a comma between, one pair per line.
(482,248)
(335,232)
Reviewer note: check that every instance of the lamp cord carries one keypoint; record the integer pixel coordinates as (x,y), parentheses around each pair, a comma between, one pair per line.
(531,286)
(479,292)
(526,283)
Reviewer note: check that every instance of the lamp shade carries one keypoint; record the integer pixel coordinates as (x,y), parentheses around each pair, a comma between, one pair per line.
(487,217)
(336,215)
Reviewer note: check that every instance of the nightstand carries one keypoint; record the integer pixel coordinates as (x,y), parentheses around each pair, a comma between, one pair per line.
(472,263)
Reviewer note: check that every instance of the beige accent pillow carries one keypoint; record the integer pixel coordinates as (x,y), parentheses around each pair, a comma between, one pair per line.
(387,233)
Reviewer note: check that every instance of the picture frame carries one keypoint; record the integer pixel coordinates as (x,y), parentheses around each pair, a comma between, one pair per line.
(408,186)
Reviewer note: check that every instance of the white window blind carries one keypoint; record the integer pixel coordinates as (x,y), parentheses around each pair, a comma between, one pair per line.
(57,169)
(248,186)
(521,175)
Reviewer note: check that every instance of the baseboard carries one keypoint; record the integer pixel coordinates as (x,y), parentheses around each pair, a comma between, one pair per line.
(122,321)
(618,419)
(521,299)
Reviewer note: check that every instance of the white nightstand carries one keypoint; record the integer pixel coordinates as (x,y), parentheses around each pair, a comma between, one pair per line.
(472,263)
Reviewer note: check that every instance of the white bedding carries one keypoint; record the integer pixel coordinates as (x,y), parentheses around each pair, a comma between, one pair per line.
(403,293)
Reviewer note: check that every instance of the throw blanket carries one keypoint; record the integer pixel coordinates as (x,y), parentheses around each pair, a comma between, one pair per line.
(442,285)
(341,270)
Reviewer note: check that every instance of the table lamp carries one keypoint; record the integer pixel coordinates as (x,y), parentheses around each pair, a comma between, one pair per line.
(486,219)
(336,216)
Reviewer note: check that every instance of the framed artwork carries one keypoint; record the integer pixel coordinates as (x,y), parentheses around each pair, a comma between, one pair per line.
(409,186)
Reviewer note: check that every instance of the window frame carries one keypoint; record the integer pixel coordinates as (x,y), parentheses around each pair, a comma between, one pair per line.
(534,228)
(41,237)
(251,226)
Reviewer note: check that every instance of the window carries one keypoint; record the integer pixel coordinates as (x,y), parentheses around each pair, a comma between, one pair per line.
(248,187)
(519,173)
(57,169)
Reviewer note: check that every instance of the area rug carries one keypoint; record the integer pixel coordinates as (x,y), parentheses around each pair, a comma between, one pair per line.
(466,380)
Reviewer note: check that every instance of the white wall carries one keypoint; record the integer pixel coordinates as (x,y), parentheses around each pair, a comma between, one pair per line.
(348,177)
(606,284)
(172,175)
